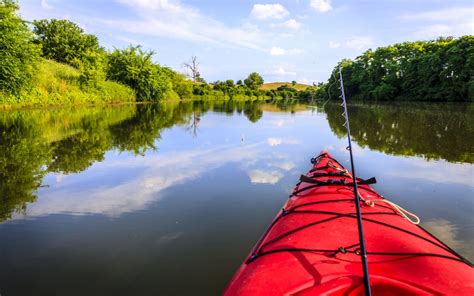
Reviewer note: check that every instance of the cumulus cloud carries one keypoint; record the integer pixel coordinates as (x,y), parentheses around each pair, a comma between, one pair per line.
(284,165)
(280,71)
(274,141)
(455,21)
(157,173)
(291,24)
(268,11)
(333,44)
(450,14)
(359,42)
(444,230)
(45,4)
(321,5)
(280,122)
(264,177)
(278,51)
(165,18)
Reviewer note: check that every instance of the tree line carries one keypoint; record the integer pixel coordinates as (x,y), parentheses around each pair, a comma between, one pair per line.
(437,70)
(24,45)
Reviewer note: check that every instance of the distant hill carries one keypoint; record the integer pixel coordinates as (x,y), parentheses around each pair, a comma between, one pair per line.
(275,85)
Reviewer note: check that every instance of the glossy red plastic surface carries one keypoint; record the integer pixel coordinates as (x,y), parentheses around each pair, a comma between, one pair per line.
(298,253)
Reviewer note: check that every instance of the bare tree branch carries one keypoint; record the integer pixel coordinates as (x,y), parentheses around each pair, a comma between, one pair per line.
(193,66)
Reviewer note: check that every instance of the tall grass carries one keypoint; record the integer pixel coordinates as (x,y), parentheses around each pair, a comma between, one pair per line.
(58,84)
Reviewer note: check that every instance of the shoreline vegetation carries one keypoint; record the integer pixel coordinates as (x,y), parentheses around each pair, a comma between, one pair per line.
(53,62)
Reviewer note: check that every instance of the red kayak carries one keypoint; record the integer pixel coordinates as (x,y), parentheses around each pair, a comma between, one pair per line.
(312,246)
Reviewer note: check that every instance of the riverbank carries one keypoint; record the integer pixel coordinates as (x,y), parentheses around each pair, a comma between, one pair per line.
(57,84)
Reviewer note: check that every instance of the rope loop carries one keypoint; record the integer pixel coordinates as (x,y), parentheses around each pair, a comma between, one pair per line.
(413,218)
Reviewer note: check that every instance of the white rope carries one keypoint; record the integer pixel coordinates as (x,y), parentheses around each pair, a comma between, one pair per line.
(405,214)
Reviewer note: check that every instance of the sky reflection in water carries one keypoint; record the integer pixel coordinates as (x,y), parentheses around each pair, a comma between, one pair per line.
(129,219)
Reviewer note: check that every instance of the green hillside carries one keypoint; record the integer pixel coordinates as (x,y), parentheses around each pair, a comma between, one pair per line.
(275,85)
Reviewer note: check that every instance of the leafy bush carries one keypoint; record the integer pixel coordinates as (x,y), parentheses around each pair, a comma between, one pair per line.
(182,86)
(134,67)
(17,53)
(254,81)
(65,42)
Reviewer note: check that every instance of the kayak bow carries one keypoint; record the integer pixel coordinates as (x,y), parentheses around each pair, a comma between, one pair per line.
(312,246)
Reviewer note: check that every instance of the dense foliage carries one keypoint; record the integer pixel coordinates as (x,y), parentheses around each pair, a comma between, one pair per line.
(254,81)
(17,52)
(64,41)
(134,67)
(440,70)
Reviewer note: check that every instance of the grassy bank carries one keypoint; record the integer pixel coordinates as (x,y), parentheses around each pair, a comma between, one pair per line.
(59,84)
(275,85)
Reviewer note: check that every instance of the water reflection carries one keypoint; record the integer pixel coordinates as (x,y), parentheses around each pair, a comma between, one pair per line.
(37,142)
(434,131)
(136,198)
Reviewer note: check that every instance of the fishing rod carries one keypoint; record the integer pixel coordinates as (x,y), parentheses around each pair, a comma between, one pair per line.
(363,250)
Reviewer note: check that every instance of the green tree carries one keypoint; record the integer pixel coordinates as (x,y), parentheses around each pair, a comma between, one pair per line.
(17,52)
(65,42)
(254,81)
(182,86)
(134,67)
(437,70)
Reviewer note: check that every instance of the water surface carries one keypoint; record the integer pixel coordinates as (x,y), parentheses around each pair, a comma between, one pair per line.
(169,199)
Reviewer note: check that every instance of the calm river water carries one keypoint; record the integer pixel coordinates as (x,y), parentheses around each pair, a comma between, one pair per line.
(169,199)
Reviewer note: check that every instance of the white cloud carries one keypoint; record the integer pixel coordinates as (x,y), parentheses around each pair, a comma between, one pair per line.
(274,141)
(284,165)
(278,51)
(268,11)
(174,20)
(435,171)
(359,42)
(280,122)
(264,177)
(45,4)
(433,31)
(321,5)
(290,24)
(333,44)
(279,71)
(454,21)
(450,14)
(446,231)
(158,172)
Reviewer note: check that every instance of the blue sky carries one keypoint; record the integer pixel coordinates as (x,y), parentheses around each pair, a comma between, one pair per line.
(283,40)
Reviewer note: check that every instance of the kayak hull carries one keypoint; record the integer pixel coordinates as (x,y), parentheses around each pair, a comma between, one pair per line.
(312,246)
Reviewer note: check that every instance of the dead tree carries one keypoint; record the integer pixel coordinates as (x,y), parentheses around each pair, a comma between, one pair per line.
(193,66)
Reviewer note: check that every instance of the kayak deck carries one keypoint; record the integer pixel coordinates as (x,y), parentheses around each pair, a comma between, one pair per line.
(312,246)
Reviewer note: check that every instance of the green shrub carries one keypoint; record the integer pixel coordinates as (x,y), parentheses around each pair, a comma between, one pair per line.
(17,53)
(64,41)
(134,67)
(254,81)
